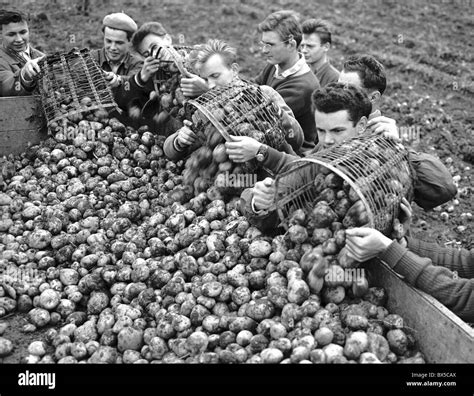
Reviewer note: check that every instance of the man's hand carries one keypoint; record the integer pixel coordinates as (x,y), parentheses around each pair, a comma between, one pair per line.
(384,125)
(186,137)
(264,194)
(31,69)
(242,148)
(193,86)
(363,244)
(149,68)
(112,79)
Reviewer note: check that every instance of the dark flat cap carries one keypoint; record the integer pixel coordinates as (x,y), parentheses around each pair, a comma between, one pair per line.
(120,21)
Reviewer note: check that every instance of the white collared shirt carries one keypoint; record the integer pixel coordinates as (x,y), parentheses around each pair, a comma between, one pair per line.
(300,67)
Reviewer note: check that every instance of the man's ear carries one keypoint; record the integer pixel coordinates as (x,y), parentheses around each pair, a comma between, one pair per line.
(374,96)
(235,67)
(168,39)
(361,125)
(326,47)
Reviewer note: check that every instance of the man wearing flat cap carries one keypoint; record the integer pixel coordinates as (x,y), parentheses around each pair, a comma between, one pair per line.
(115,57)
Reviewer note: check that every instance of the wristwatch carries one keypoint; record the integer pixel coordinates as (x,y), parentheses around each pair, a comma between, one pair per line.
(262,153)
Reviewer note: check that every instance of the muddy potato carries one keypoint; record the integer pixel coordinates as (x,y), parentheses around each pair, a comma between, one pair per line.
(298,291)
(334,294)
(297,234)
(271,355)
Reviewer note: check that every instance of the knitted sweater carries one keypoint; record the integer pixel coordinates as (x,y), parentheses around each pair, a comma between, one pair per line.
(445,273)
(296,90)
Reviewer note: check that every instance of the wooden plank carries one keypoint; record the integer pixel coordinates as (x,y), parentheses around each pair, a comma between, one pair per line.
(21,124)
(441,335)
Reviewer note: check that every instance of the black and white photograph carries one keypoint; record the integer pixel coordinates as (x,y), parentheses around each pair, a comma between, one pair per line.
(228,195)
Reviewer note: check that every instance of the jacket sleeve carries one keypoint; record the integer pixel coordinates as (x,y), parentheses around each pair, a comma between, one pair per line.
(459,260)
(433,184)
(132,90)
(267,222)
(171,151)
(446,286)
(12,82)
(276,160)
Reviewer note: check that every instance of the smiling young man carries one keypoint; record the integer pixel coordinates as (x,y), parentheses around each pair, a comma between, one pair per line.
(115,57)
(18,60)
(287,71)
(315,46)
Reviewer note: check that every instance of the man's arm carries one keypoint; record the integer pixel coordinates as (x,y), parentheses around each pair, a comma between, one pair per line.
(447,287)
(265,221)
(14,83)
(459,260)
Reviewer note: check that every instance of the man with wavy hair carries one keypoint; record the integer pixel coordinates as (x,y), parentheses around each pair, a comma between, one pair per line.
(287,71)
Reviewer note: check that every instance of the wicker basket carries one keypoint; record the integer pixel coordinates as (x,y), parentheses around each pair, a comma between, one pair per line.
(72,83)
(375,167)
(241,109)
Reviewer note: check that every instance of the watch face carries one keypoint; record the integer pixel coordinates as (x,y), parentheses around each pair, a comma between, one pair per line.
(259,157)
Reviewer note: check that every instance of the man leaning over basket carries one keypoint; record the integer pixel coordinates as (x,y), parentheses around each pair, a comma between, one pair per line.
(342,112)
(132,97)
(18,59)
(216,64)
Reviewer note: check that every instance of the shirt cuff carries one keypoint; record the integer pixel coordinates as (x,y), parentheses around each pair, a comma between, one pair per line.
(139,80)
(176,145)
(257,212)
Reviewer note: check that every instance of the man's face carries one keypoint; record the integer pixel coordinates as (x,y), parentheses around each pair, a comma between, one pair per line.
(274,49)
(215,72)
(312,49)
(151,39)
(16,36)
(334,128)
(116,44)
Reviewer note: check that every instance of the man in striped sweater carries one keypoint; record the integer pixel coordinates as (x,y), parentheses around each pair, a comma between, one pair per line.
(447,274)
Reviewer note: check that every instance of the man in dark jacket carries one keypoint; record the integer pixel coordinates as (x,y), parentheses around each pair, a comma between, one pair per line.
(287,71)
(18,60)
(115,57)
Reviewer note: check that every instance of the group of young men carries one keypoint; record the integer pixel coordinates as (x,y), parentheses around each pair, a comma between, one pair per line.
(320,105)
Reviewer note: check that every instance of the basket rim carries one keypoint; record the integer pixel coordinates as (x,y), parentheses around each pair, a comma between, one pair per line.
(305,160)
